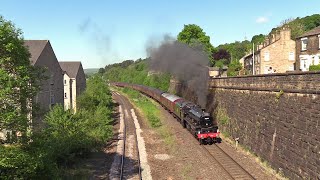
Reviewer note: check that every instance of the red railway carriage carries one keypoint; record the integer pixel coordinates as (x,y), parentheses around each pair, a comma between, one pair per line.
(169,100)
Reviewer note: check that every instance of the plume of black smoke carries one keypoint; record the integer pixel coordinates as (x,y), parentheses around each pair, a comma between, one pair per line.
(187,64)
(97,37)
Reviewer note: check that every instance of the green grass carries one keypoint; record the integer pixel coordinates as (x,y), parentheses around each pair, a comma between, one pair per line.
(151,112)
(167,136)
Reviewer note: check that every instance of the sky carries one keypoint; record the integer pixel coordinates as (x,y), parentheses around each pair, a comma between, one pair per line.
(98,33)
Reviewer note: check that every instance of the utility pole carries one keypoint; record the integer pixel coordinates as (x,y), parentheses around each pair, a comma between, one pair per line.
(253,70)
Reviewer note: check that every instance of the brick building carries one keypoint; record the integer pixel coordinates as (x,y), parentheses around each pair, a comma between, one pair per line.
(308,49)
(275,55)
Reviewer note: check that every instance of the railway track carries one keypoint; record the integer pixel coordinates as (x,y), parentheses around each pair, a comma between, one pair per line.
(231,167)
(130,164)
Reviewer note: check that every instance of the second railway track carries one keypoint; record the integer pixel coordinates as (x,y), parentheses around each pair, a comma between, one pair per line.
(231,167)
(130,167)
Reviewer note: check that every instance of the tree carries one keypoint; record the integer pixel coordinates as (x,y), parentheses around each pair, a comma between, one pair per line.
(298,25)
(258,39)
(234,68)
(192,35)
(222,54)
(101,71)
(19,80)
(237,49)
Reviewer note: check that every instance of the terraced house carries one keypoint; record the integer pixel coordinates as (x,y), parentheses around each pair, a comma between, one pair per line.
(74,83)
(275,55)
(308,49)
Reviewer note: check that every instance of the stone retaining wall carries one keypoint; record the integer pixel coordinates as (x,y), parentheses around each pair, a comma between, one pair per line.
(276,116)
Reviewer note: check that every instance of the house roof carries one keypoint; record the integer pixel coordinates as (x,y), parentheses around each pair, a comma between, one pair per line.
(70,67)
(313,31)
(35,48)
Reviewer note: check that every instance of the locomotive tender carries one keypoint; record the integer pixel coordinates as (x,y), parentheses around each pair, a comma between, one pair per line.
(190,115)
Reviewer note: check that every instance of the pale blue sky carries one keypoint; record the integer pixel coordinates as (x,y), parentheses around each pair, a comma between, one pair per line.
(103,32)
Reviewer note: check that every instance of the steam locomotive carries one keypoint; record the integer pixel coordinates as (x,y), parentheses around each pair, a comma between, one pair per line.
(190,115)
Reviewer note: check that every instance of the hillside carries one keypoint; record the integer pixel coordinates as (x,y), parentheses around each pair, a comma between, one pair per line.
(90,71)
(136,72)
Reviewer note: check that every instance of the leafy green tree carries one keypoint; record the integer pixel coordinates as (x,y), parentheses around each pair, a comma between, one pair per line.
(236,49)
(101,71)
(19,80)
(138,73)
(96,94)
(258,39)
(298,25)
(219,63)
(234,68)
(193,35)
(223,55)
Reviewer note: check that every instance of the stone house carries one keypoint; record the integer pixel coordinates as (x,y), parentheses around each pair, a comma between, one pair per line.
(275,55)
(247,63)
(51,90)
(308,49)
(74,81)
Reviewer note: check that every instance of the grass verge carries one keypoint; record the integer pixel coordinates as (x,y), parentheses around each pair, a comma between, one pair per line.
(150,111)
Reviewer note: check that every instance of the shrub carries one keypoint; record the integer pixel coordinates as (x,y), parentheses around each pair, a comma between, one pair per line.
(314,67)
(18,163)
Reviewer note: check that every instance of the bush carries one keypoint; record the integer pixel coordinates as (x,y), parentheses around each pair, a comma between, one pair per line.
(314,67)
(234,68)
(19,163)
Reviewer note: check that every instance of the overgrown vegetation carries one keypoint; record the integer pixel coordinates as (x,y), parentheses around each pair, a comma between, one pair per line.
(137,73)
(19,83)
(279,94)
(66,137)
(152,114)
(314,67)
(222,116)
(147,107)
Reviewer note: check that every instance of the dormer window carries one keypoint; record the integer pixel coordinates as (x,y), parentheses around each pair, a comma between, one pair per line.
(304,42)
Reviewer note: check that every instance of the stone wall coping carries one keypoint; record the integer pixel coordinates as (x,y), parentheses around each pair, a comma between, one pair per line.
(271,75)
(300,91)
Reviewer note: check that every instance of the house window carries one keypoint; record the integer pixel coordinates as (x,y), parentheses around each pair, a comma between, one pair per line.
(304,42)
(291,67)
(291,56)
(65,81)
(266,56)
(65,95)
(319,40)
(51,101)
(266,70)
